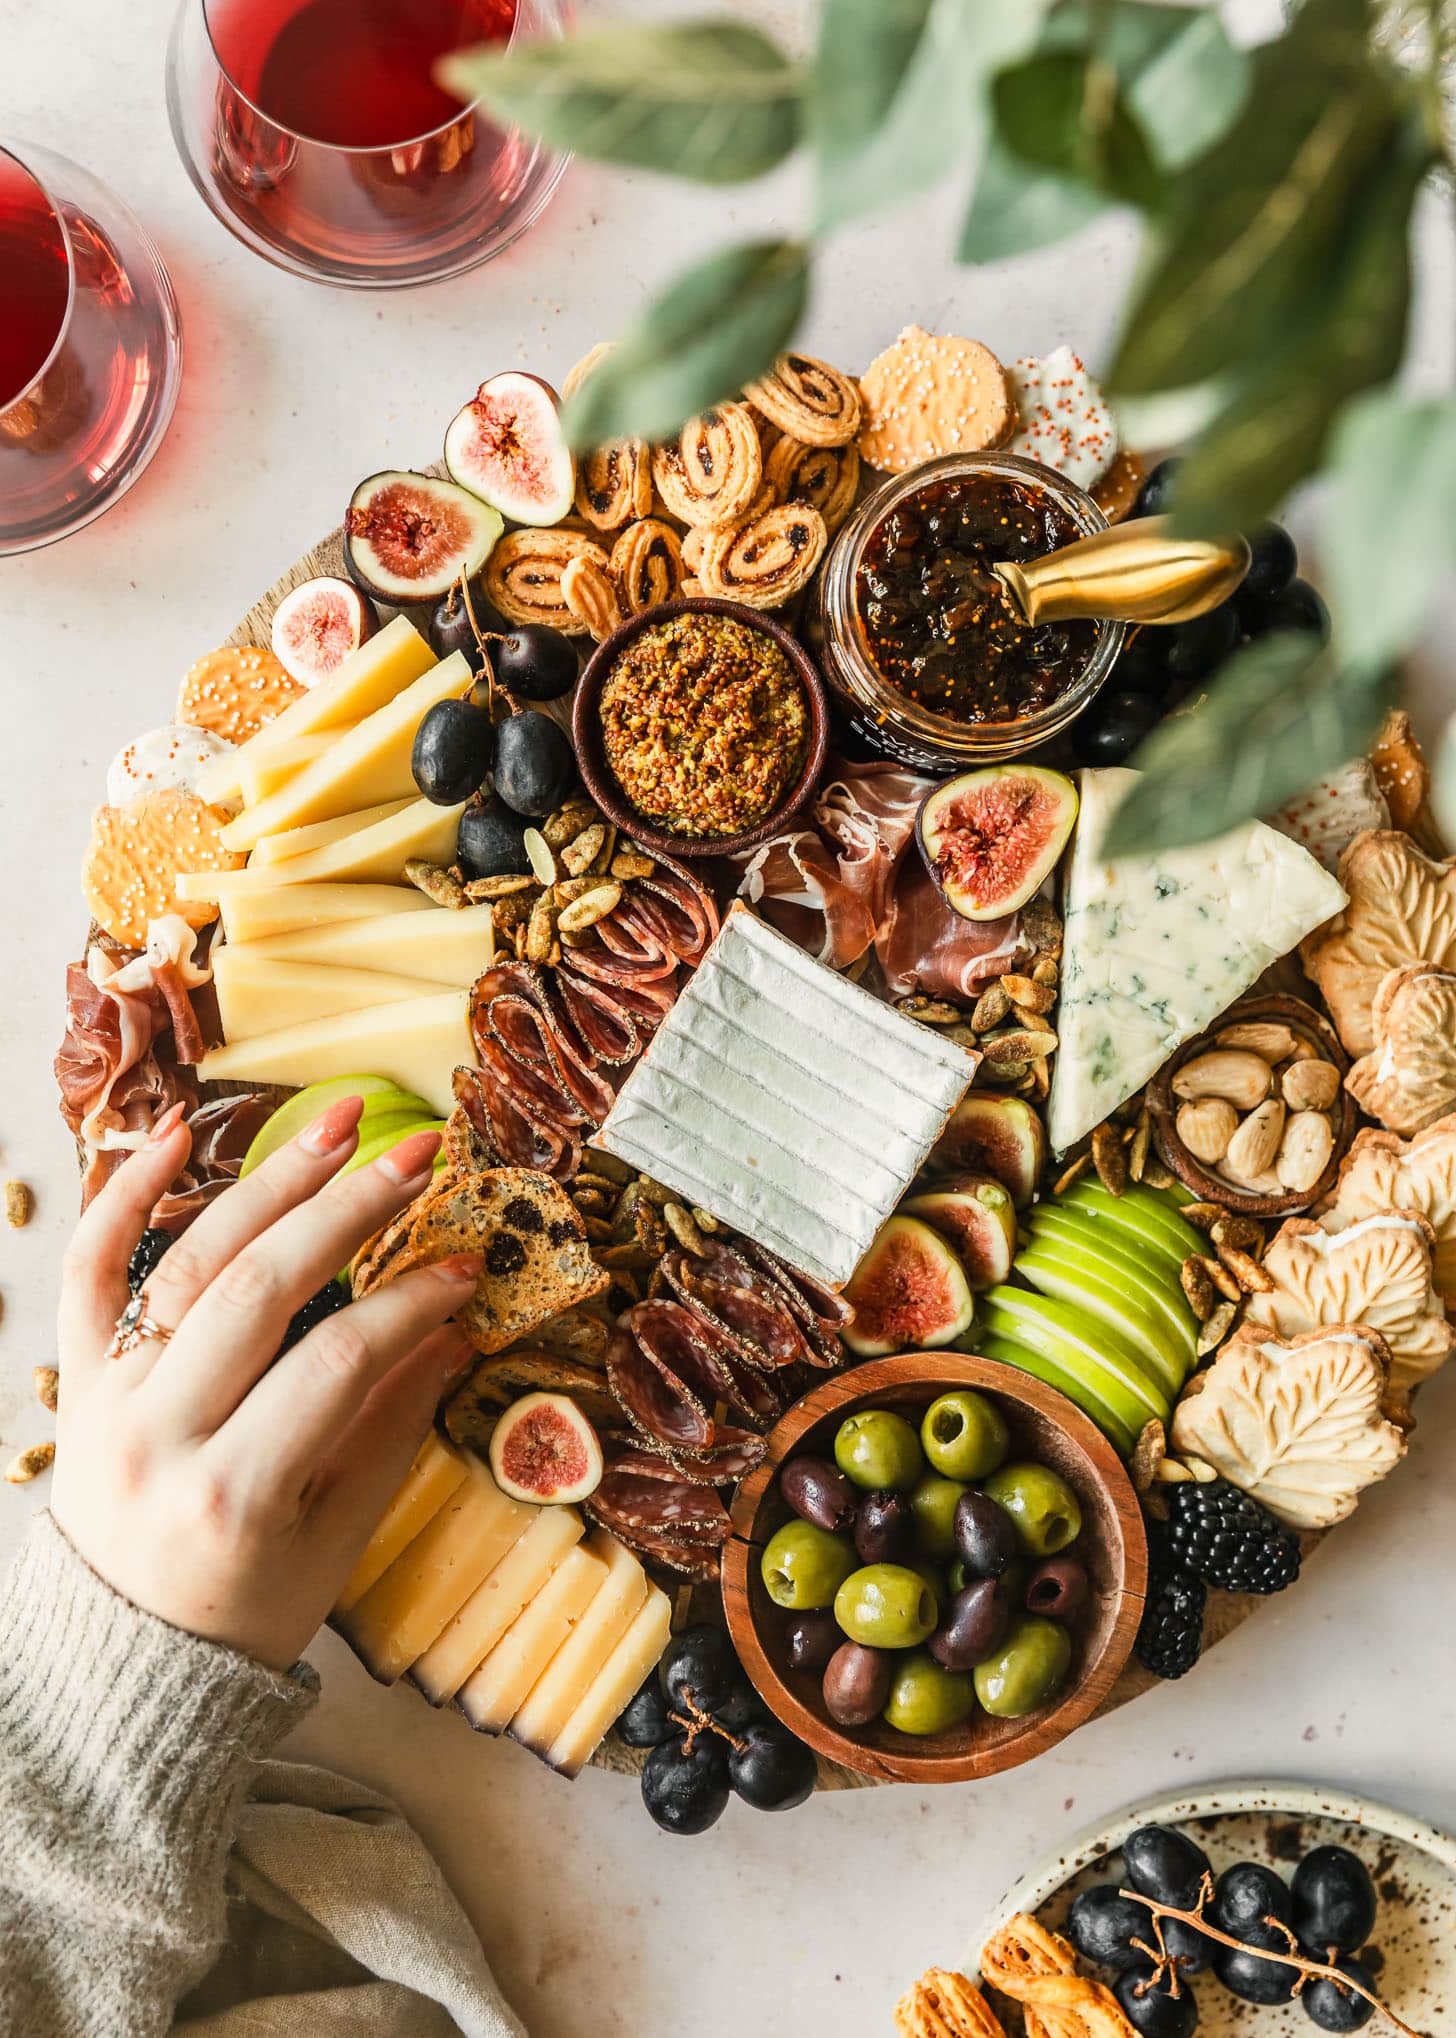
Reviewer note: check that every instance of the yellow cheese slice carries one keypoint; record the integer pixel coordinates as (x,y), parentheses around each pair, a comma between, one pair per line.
(429,1582)
(282,909)
(490,1694)
(495,1603)
(368,763)
(619,1677)
(263,771)
(392,659)
(376,853)
(257,995)
(437,1470)
(443,948)
(418,1043)
(572,1671)
(318,834)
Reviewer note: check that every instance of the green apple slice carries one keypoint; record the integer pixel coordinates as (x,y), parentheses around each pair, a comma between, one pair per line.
(1076,1386)
(1048,1327)
(1136,1210)
(1066,1231)
(1065,1274)
(1112,1241)
(305,1105)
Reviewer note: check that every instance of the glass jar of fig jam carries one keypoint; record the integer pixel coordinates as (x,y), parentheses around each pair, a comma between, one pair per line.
(927,660)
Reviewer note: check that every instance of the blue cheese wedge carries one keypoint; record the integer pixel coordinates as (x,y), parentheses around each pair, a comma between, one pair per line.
(1155,947)
(786,1101)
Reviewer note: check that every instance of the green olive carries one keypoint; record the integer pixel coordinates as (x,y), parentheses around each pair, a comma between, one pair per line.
(1030,1666)
(804,1566)
(878,1448)
(1013,1578)
(935,1578)
(932,1503)
(965,1435)
(1047,1513)
(924,1699)
(886,1606)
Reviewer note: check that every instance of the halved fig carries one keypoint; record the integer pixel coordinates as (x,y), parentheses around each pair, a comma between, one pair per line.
(544,1449)
(991,838)
(989,1134)
(317,625)
(978,1216)
(407,537)
(507,447)
(909,1292)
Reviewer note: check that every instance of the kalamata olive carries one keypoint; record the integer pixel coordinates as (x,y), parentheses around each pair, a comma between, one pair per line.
(1059,1586)
(857,1683)
(985,1535)
(819,1492)
(884,1528)
(973,1626)
(811,1639)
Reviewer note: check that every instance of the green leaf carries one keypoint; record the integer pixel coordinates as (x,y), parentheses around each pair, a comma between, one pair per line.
(864,51)
(1253,222)
(1279,716)
(1015,209)
(1064,111)
(711,100)
(1388,533)
(719,324)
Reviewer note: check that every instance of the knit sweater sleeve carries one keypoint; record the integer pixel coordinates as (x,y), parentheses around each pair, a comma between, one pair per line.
(125,1749)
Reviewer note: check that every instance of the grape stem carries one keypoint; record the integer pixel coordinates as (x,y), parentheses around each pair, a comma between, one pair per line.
(701,1722)
(1164,1964)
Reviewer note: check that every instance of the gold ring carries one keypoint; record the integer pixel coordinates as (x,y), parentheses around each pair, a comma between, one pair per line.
(133,1325)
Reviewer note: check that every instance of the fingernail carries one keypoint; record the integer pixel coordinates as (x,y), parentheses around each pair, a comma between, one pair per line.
(462,1359)
(167,1123)
(332,1127)
(411,1157)
(460,1267)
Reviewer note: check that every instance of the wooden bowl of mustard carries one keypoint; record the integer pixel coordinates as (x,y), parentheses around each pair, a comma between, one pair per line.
(700,727)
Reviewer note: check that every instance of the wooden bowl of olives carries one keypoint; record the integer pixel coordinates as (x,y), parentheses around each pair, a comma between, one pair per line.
(938,1570)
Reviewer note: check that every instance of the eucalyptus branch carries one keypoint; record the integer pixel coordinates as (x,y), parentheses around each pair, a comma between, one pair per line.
(1309,1970)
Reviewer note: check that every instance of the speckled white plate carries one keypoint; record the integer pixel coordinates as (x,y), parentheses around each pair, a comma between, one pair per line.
(1413,1866)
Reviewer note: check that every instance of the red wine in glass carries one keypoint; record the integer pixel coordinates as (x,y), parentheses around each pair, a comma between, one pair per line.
(90,348)
(317,132)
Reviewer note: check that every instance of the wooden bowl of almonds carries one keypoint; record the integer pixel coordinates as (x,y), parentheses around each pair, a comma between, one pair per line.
(1254,1114)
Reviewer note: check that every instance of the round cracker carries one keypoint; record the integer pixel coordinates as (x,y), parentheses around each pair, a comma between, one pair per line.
(130,872)
(931,394)
(1118,489)
(234,691)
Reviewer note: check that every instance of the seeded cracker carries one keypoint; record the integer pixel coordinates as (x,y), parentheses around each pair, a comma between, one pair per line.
(234,691)
(130,872)
(930,394)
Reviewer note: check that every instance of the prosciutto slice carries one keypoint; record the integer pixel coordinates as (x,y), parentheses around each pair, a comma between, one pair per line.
(923,946)
(222,1131)
(828,886)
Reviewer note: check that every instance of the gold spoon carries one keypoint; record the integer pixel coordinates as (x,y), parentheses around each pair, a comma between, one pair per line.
(1129,573)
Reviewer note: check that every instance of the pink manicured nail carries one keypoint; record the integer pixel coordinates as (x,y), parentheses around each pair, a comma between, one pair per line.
(462,1359)
(330,1130)
(411,1157)
(167,1123)
(461,1266)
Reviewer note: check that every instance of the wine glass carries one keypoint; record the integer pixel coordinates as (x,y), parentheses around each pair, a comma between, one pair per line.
(90,348)
(316,132)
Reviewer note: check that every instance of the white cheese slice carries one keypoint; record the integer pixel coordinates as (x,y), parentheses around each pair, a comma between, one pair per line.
(616,1681)
(431,1479)
(572,1671)
(256,994)
(278,909)
(443,947)
(785,1100)
(495,1603)
(491,1694)
(1156,947)
(418,1043)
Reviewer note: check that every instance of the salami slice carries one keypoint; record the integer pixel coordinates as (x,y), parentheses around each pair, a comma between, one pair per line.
(654,1395)
(732,1456)
(699,1352)
(661,1556)
(724,1287)
(686,908)
(643,1492)
(603,1025)
(821,1332)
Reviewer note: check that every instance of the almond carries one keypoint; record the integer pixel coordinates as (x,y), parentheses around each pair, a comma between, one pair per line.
(1305,1149)
(1237,1074)
(1310,1085)
(1206,1125)
(1252,1149)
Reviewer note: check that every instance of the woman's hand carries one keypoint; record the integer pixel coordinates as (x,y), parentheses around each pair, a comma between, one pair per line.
(229,1495)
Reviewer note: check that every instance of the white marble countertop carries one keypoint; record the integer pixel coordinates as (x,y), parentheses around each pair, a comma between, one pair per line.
(599,1926)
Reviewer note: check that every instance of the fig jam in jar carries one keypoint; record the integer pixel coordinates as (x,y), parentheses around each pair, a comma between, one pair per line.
(928,658)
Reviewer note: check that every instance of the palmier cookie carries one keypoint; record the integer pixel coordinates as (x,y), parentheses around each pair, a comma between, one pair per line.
(523,576)
(809,400)
(590,592)
(712,471)
(767,560)
(931,394)
(825,477)
(576,375)
(614,484)
(647,564)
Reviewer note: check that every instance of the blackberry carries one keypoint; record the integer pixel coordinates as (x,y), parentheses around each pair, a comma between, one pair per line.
(147,1257)
(1170,1638)
(1231,1541)
(333,1295)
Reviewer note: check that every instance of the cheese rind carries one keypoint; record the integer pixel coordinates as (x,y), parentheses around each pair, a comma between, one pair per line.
(1156,947)
(496,1602)
(619,1677)
(437,1470)
(492,1693)
(367,764)
(442,947)
(566,1679)
(418,1043)
(256,994)
(405,1610)
(280,909)
(392,659)
(318,834)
